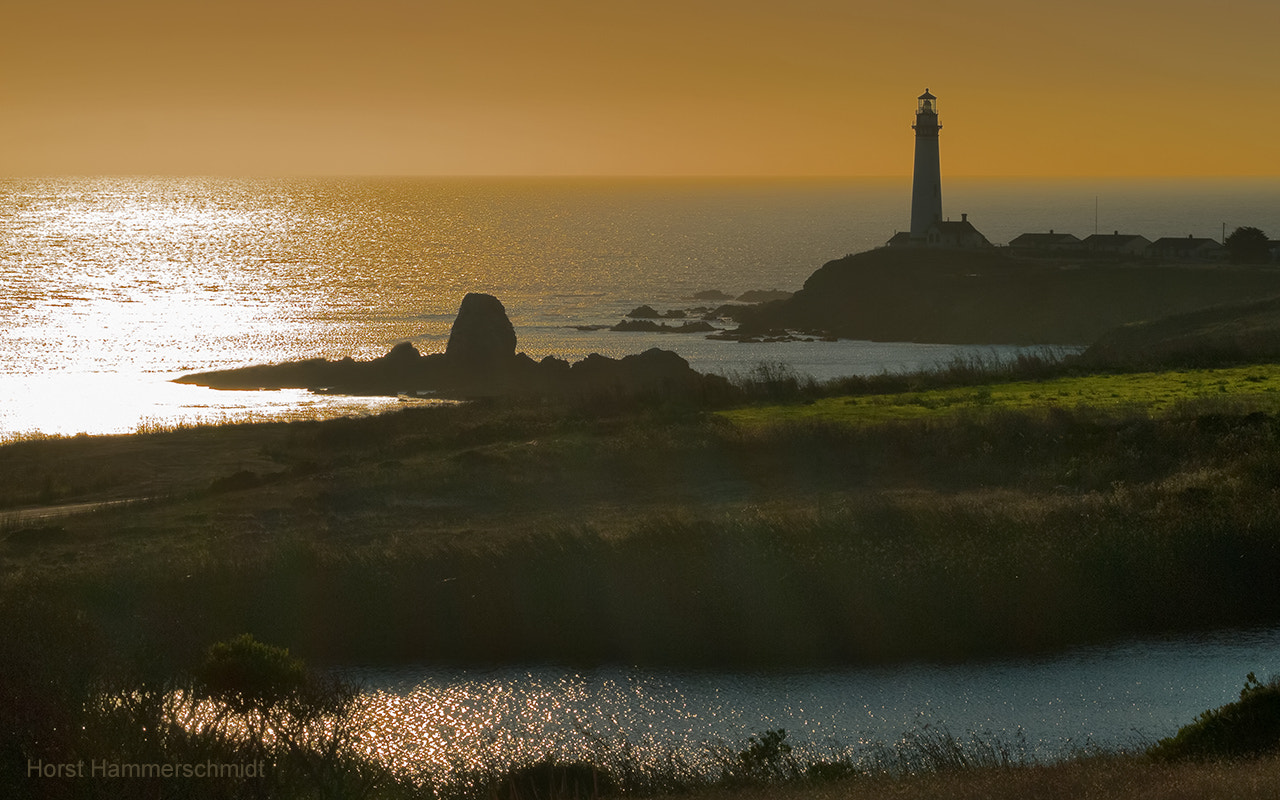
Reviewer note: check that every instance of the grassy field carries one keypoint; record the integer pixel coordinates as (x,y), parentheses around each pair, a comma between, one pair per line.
(1256,386)
(953,522)
(985,516)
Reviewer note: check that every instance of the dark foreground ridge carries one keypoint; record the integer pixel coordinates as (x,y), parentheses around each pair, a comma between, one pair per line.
(988,296)
(1227,334)
(480,360)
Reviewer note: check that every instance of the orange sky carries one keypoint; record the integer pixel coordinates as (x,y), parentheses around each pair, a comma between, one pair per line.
(616,87)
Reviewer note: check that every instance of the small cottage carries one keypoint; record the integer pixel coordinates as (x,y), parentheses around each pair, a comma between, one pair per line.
(1047,241)
(1189,248)
(1127,244)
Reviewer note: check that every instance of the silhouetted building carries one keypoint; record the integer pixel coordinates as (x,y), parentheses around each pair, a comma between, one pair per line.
(928,228)
(926,183)
(1190,248)
(1047,241)
(955,234)
(1117,243)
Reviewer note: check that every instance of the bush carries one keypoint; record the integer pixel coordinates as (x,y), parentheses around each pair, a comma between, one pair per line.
(767,758)
(1249,727)
(552,779)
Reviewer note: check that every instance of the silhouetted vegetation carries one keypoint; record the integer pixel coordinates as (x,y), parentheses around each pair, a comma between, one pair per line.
(1248,245)
(1211,337)
(1249,727)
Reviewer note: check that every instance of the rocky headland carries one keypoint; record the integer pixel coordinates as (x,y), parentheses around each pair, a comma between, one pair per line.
(991,297)
(479,360)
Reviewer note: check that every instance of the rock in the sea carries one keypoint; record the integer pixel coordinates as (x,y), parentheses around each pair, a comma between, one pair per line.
(403,353)
(652,370)
(644,312)
(649,326)
(479,361)
(481,357)
(482,335)
(712,294)
(762,296)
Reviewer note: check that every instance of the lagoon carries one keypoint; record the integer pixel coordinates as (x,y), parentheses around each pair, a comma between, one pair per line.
(434,722)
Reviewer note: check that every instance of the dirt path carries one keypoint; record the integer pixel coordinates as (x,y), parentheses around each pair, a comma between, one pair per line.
(24,516)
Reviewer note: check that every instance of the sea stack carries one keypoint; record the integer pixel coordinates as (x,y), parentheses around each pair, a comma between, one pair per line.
(482,336)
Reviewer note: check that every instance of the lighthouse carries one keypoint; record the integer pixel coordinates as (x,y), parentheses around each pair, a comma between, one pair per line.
(928,228)
(926,184)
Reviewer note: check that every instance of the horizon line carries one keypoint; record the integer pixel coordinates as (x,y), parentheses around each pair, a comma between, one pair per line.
(624,176)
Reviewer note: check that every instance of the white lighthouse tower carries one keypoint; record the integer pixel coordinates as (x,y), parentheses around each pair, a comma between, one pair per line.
(926,185)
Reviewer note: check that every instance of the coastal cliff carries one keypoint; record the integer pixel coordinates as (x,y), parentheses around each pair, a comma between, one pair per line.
(991,297)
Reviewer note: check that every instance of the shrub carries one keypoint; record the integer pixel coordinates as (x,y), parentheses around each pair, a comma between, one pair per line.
(1246,728)
(767,758)
(552,779)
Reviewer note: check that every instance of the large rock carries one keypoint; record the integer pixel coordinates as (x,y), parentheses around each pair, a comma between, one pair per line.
(480,360)
(653,370)
(482,336)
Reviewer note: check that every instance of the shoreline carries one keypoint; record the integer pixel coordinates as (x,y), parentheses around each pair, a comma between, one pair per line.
(822,360)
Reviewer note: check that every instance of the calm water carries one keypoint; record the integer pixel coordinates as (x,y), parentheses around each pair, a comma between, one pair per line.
(111,286)
(1125,696)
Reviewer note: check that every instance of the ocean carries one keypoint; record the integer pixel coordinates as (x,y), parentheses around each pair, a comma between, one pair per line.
(113,286)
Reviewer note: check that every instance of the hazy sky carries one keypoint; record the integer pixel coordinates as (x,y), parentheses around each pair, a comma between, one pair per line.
(704,87)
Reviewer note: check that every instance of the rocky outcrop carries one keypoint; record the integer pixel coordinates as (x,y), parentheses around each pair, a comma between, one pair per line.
(482,336)
(654,369)
(762,296)
(649,326)
(644,312)
(480,360)
(714,295)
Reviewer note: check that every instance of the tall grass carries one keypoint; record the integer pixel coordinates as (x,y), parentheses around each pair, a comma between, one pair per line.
(685,540)
(777,381)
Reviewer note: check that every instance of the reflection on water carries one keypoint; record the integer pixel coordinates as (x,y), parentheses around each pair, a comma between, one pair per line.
(65,404)
(439,722)
(148,276)
(68,403)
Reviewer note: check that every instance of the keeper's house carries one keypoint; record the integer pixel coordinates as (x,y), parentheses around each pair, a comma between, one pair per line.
(1121,244)
(1047,241)
(1189,248)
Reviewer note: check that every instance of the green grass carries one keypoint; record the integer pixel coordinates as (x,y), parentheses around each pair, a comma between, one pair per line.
(1256,385)
(996,521)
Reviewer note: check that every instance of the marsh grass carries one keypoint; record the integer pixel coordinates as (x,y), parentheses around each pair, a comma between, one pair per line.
(666,537)
(1256,386)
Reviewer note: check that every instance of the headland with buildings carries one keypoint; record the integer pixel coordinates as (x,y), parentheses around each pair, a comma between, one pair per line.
(929,228)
